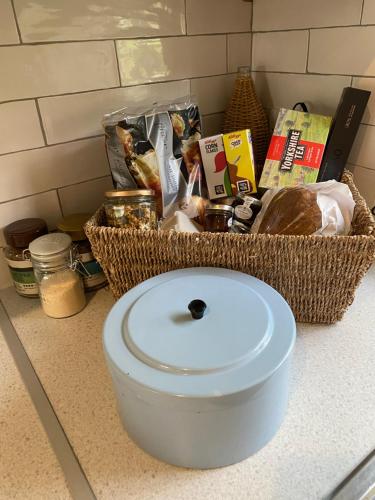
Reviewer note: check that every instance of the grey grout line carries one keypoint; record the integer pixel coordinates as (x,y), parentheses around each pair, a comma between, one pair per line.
(59,202)
(308,52)
(76,480)
(310,73)
(16,21)
(251,36)
(55,188)
(227,53)
(41,122)
(316,28)
(185,13)
(54,144)
(363,7)
(110,39)
(108,88)
(117,62)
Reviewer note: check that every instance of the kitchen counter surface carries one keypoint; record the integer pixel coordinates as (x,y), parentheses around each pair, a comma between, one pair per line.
(28,466)
(328,429)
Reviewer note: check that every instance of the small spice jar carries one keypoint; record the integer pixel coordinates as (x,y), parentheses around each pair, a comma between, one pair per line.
(92,274)
(246,208)
(133,209)
(60,285)
(18,236)
(218,218)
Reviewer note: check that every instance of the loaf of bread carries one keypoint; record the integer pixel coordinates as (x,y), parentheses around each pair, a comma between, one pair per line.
(292,210)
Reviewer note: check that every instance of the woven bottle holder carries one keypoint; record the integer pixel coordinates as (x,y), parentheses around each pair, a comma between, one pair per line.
(246,112)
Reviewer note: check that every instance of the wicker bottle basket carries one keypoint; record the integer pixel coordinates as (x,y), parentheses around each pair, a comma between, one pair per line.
(316,275)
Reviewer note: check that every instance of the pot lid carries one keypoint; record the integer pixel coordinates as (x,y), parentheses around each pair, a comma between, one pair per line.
(245,332)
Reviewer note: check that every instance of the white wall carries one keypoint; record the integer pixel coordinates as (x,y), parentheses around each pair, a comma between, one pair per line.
(308,51)
(66,63)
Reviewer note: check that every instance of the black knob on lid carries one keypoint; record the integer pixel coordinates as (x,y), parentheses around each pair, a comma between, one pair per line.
(197,308)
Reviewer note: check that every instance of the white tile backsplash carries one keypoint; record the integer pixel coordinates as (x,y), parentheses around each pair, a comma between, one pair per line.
(365,182)
(346,51)
(239,51)
(213,93)
(56,20)
(363,151)
(8,28)
(43,169)
(76,116)
(271,15)
(217,16)
(85,197)
(368,16)
(284,51)
(367,84)
(19,127)
(43,205)
(174,58)
(38,70)
(321,93)
(213,124)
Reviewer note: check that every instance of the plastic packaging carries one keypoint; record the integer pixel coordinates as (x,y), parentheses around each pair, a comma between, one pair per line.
(158,149)
(325,208)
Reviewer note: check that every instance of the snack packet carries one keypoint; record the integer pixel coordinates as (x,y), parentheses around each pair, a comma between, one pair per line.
(158,149)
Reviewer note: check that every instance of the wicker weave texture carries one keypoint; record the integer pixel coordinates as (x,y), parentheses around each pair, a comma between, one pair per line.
(246,112)
(316,275)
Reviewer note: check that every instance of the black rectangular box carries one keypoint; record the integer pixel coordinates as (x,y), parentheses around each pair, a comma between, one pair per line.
(344,129)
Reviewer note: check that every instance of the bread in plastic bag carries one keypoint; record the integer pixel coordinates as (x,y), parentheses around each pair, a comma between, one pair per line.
(324,208)
(157,148)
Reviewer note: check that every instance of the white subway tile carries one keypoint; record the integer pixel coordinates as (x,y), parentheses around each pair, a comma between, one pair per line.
(367,84)
(43,205)
(38,70)
(239,51)
(280,51)
(217,16)
(80,115)
(56,20)
(19,126)
(174,58)
(271,15)
(85,197)
(213,124)
(365,181)
(8,28)
(347,51)
(37,170)
(363,151)
(213,93)
(368,12)
(282,90)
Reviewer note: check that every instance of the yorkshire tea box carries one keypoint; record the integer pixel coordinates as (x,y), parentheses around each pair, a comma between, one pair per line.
(296,149)
(240,158)
(215,167)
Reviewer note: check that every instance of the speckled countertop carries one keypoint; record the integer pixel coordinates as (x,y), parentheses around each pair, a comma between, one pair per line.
(328,429)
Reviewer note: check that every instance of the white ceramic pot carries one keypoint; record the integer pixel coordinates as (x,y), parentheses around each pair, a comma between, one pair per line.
(206,392)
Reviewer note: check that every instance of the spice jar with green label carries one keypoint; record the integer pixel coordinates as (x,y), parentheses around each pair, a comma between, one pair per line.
(19,235)
(92,274)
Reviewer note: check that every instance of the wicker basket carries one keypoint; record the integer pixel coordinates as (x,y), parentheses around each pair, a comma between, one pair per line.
(316,275)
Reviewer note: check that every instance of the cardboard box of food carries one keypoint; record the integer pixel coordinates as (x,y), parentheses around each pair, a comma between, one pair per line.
(215,167)
(296,149)
(240,158)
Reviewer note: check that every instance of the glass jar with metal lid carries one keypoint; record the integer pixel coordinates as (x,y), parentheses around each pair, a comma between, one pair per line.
(19,235)
(131,208)
(218,218)
(60,285)
(92,274)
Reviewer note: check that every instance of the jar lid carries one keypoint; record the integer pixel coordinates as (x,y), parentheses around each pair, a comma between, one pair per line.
(21,233)
(129,192)
(247,331)
(73,225)
(48,247)
(219,208)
